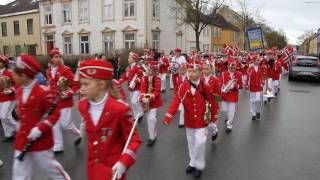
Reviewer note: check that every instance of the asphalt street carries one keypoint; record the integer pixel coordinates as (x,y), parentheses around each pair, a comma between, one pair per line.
(284,144)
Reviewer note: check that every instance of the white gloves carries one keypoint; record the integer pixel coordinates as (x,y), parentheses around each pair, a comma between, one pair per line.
(146,100)
(7,91)
(212,128)
(120,169)
(34,134)
(64,95)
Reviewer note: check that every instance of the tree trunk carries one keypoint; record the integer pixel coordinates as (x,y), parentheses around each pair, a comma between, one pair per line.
(197,40)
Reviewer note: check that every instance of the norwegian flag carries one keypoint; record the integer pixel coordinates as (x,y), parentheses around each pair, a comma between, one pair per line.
(227,49)
(287,55)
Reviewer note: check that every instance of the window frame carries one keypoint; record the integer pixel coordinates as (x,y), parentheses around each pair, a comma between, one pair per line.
(83,42)
(32,31)
(79,12)
(130,41)
(48,15)
(156,9)
(14,28)
(104,18)
(70,48)
(124,2)
(66,11)
(105,41)
(6,29)
(156,41)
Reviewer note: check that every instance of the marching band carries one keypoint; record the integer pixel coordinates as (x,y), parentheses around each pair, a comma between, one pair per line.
(204,84)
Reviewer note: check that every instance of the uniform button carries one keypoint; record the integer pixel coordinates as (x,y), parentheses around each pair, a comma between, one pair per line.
(195,116)
(96,160)
(194,104)
(95,143)
(194,110)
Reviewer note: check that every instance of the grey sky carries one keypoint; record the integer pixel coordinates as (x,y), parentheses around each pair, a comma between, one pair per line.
(293,16)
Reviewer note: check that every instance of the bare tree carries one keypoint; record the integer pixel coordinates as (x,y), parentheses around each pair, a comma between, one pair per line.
(196,13)
(303,37)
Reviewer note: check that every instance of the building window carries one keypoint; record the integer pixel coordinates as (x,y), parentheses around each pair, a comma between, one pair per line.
(66,13)
(83,11)
(16,28)
(107,9)
(234,35)
(129,6)
(155,40)
(17,49)
(108,41)
(4,29)
(67,45)
(32,50)
(5,50)
(30,26)
(129,40)
(84,44)
(156,8)
(49,40)
(48,14)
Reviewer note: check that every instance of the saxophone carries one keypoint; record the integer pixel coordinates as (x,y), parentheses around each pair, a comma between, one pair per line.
(63,84)
(207,113)
(146,106)
(5,83)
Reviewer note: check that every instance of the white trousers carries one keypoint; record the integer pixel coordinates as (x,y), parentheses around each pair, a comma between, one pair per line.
(276,85)
(271,85)
(163,81)
(22,170)
(244,79)
(135,103)
(230,109)
(255,103)
(65,122)
(181,116)
(197,139)
(152,123)
(171,82)
(8,123)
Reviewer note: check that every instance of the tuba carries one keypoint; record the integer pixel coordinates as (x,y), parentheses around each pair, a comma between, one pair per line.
(63,84)
(230,85)
(146,106)
(5,83)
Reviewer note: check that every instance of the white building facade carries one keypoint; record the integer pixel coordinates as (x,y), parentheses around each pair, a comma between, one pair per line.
(102,26)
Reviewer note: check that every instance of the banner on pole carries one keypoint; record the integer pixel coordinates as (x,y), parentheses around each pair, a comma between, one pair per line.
(255,39)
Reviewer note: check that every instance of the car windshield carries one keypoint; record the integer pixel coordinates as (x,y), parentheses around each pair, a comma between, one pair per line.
(306,59)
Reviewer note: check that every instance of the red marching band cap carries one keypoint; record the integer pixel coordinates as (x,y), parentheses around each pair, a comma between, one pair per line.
(55,51)
(28,65)
(178,50)
(95,68)
(195,65)
(4,59)
(154,65)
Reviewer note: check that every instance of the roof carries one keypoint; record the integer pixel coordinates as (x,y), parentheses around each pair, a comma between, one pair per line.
(222,22)
(19,6)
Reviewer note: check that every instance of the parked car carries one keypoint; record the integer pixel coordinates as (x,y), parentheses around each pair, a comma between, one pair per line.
(304,67)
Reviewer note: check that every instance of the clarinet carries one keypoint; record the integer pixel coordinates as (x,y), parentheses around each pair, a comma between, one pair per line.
(27,146)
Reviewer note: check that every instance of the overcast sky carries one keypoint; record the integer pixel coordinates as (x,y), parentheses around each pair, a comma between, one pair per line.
(293,16)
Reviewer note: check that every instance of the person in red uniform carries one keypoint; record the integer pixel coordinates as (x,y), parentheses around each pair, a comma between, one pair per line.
(254,85)
(193,94)
(56,71)
(151,99)
(33,101)
(230,93)
(133,75)
(215,84)
(108,123)
(277,71)
(164,66)
(7,100)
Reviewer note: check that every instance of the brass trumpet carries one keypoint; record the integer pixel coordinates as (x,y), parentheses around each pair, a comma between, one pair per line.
(63,84)
(230,85)
(5,83)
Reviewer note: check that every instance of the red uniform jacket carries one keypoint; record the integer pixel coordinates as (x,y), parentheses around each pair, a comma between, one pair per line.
(30,114)
(122,91)
(164,65)
(63,71)
(107,139)
(255,81)
(215,86)
(194,105)
(277,70)
(8,97)
(156,100)
(232,95)
(129,74)
(178,81)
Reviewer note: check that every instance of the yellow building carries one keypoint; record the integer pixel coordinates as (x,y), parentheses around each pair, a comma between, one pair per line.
(223,32)
(20,28)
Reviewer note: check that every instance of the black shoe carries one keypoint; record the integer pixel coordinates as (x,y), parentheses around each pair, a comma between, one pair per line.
(57,152)
(228,130)
(265,102)
(190,169)
(140,119)
(269,99)
(225,122)
(197,173)
(254,118)
(275,94)
(258,115)
(8,139)
(77,142)
(213,138)
(151,142)
(163,91)
(171,88)
(278,89)
(181,126)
